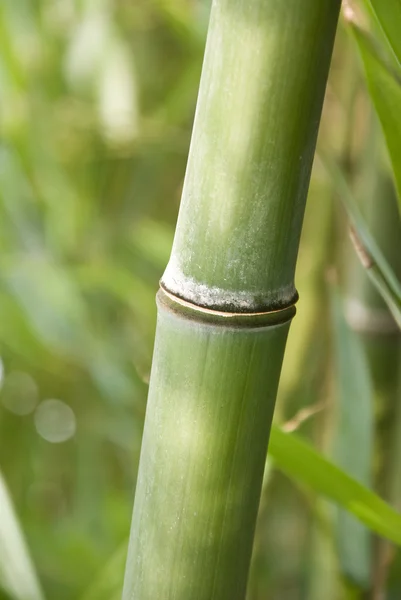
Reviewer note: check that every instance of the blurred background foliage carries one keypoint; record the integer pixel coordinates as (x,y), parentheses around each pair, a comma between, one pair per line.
(97,99)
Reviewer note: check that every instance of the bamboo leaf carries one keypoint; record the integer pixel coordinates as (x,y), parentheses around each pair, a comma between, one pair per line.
(108,584)
(301,462)
(385,91)
(377,267)
(17,573)
(353,442)
(388,13)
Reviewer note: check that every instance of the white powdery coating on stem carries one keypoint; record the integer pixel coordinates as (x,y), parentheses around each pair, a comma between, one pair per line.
(191,290)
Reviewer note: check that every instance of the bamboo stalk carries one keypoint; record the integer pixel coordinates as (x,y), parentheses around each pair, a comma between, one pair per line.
(227,299)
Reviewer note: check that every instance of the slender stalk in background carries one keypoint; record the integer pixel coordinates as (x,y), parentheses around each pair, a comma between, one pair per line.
(353,432)
(227,299)
(369,316)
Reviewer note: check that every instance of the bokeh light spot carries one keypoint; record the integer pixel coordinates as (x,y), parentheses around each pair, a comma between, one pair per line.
(55,421)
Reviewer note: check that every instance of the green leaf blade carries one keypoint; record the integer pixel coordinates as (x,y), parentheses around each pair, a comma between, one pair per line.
(388,13)
(301,462)
(379,271)
(353,441)
(385,91)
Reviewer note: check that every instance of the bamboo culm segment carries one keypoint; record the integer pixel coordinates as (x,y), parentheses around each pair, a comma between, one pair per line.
(210,407)
(217,363)
(253,142)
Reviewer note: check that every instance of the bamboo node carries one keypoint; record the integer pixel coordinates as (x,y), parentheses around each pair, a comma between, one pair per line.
(258,319)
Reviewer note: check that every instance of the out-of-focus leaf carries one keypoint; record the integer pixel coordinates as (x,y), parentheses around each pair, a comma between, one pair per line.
(17,573)
(110,376)
(109,583)
(117,96)
(17,335)
(52,302)
(89,41)
(9,57)
(325,579)
(119,283)
(353,442)
(54,307)
(154,240)
(17,205)
(377,267)
(385,90)
(388,13)
(177,13)
(301,462)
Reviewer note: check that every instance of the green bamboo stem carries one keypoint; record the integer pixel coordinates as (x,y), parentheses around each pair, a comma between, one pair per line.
(251,153)
(227,299)
(203,453)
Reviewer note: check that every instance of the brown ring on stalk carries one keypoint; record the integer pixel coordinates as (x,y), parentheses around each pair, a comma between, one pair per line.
(236,319)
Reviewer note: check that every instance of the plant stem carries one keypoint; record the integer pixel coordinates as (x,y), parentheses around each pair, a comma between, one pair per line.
(259,105)
(374,324)
(228,298)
